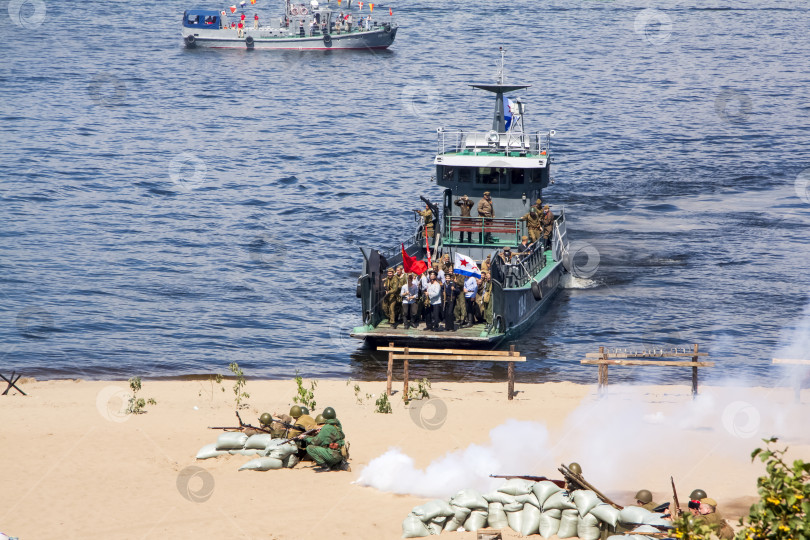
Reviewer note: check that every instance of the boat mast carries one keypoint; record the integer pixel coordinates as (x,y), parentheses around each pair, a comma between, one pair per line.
(499,119)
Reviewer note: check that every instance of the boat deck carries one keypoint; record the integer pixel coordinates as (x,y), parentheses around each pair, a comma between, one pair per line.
(384,333)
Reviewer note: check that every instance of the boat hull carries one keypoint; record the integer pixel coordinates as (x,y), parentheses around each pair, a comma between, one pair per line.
(255,39)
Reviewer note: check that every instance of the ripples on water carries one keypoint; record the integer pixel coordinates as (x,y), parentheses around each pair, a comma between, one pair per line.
(166,211)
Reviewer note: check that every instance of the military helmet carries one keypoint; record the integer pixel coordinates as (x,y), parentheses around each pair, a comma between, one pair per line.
(320,419)
(304,410)
(329,413)
(644,496)
(575,468)
(538,202)
(697,494)
(265,419)
(295,411)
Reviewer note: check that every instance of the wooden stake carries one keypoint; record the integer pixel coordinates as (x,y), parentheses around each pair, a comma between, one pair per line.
(510,370)
(390,371)
(405,376)
(695,374)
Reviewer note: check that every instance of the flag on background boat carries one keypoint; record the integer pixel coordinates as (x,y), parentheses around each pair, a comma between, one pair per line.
(510,108)
(371,7)
(361,5)
(391,11)
(233,9)
(410,264)
(465,266)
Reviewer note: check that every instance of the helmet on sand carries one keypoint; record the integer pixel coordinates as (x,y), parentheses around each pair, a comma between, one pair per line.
(329,413)
(265,419)
(644,496)
(304,410)
(295,411)
(320,419)
(697,494)
(575,468)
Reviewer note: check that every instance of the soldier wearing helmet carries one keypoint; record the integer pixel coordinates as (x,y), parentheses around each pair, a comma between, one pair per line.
(326,448)
(644,499)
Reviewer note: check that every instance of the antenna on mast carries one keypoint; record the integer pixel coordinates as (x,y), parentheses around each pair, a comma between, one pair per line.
(500,71)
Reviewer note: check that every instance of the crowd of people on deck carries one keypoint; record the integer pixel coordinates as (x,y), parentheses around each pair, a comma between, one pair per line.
(342,23)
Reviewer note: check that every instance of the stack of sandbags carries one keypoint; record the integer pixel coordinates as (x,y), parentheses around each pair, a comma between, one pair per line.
(640,520)
(426,519)
(274,453)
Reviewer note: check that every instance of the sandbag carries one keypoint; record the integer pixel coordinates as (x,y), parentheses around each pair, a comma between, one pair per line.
(412,527)
(458,518)
(516,486)
(545,489)
(568,523)
(555,513)
(281,451)
(496,516)
(253,452)
(547,524)
(513,507)
(438,507)
(470,498)
(497,496)
(530,521)
(585,500)
(619,537)
(209,451)
(290,461)
(515,519)
(559,501)
(633,514)
(645,529)
(588,528)
(436,525)
(657,520)
(606,513)
(477,520)
(258,441)
(529,498)
(231,440)
(262,464)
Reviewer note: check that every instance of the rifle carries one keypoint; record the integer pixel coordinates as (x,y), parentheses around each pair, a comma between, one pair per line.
(307,432)
(578,480)
(675,495)
(558,483)
(242,426)
(433,208)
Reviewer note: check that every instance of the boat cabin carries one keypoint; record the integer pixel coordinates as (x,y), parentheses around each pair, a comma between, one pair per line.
(202,19)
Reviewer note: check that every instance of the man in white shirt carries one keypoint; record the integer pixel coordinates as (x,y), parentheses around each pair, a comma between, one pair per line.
(410,296)
(434,291)
(470,290)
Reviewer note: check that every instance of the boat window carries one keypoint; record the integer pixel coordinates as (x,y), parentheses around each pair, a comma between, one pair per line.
(518,176)
(465,174)
(211,19)
(193,19)
(447,173)
(536,175)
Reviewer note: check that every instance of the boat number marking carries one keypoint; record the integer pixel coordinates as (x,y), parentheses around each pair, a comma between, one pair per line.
(521,305)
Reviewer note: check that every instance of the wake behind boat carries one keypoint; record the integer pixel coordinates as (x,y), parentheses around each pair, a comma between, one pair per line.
(302,27)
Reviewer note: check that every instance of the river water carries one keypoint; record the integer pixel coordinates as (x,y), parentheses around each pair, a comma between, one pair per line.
(168,211)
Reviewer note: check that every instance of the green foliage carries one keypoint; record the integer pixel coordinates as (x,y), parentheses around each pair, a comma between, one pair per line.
(239,385)
(383,406)
(137,405)
(420,391)
(688,528)
(305,397)
(214,379)
(357,393)
(783,509)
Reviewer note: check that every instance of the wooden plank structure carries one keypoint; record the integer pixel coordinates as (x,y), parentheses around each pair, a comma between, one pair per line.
(619,357)
(409,354)
(797,381)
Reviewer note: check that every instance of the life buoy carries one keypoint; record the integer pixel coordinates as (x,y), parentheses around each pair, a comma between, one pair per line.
(249,42)
(304,11)
(537,291)
(294,11)
(327,40)
(191,41)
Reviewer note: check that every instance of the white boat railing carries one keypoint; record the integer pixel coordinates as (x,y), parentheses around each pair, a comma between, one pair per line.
(459,140)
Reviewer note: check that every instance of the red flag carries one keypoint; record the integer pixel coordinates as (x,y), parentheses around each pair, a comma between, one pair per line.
(411,264)
(391,11)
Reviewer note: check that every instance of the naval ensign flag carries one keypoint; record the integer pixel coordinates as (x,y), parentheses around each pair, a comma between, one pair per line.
(466,266)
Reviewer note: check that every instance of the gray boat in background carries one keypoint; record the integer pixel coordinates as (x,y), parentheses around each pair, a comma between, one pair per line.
(301,28)
(514,166)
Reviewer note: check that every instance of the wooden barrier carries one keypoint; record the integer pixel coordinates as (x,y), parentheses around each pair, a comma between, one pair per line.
(603,359)
(409,354)
(797,381)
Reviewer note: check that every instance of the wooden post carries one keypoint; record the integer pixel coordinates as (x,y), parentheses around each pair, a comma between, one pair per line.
(605,373)
(405,376)
(390,369)
(600,375)
(695,374)
(510,371)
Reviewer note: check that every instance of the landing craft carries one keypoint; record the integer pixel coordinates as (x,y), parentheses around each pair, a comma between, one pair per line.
(514,166)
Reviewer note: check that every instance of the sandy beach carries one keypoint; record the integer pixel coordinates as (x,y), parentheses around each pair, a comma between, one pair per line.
(74,467)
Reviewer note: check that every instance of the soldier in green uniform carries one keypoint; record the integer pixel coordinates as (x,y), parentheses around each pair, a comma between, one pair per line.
(644,499)
(465,205)
(402,279)
(392,289)
(486,297)
(460,312)
(427,219)
(538,205)
(708,515)
(486,263)
(534,226)
(547,220)
(325,447)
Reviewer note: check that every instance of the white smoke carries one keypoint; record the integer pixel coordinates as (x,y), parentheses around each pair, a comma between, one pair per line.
(796,346)
(514,447)
(622,441)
